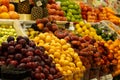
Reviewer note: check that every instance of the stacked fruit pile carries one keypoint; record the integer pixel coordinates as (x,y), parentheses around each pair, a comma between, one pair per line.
(72,11)
(114,48)
(97,14)
(86,29)
(55,12)
(7,10)
(24,54)
(5,31)
(92,53)
(67,61)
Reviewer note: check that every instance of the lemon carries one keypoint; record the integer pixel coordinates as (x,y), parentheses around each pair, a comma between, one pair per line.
(81,23)
(79,64)
(92,30)
(77,26)
(79,30)
(48,39)
(62,41)
(84,28)
(36,39)
(92,33)
(51,51)
(66,62)
(70,50)
(56,60)
(87,31)
(69,72)
(51,56)
(72,64)
(57,55)
(41,41)
(88,25)
(75,55)
(64,47)
(41,36)
(46,46)
(57,65)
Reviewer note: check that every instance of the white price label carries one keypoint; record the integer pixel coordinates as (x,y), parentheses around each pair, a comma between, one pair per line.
(109,77)
(102,78)
(94,79)
(39,3)
(22,0)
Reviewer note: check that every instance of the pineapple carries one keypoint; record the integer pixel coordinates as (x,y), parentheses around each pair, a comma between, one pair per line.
(24,7)
(45,12)
(36,12)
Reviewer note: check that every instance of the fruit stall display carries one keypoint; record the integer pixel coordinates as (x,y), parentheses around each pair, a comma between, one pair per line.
(55,12)
(92,14)
(67,61)
(93,54)
(72,10)
(7,10)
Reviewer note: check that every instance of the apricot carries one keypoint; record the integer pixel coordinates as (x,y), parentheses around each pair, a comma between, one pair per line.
(13,15)
(11,7)
(4,15)
(3,8)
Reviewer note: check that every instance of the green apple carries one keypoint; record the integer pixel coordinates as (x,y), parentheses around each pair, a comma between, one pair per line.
(70,10)
(76,7)
(74,11)
(64,8)
(68,18)
(71,6)
(66,3)
(73,19)
(69,14)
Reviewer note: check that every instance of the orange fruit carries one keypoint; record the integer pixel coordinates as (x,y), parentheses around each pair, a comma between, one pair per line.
(3,8)
(13,15)
(5,2)
(11,7)
(4,15)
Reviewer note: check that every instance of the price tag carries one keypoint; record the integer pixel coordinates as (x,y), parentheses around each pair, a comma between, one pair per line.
(71,26)
(102,78)
(14,1)
(109,77)
(22,0)
(94,79)
(39,3)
